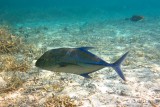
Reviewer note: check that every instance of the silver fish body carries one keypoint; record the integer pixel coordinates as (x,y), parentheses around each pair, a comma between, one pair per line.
(75,60)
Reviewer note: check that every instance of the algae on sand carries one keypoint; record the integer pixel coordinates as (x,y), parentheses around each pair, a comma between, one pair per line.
(15,56)
(10,47)
(60,101)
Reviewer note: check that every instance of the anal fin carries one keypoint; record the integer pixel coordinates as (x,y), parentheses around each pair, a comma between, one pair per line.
(85,75)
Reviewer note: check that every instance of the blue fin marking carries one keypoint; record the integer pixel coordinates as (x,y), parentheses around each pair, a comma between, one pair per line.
(116,66)
(86,48)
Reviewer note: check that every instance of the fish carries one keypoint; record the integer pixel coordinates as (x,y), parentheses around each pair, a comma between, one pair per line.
(135,18)
(78,61)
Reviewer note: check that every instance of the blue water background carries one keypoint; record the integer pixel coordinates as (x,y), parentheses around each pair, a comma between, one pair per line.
(14,11)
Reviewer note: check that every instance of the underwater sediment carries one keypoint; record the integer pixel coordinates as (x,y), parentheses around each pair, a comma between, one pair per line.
(23,84)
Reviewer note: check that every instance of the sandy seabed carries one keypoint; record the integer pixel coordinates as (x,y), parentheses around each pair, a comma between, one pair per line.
(111,39)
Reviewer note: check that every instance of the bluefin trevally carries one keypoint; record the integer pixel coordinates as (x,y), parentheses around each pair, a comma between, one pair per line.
(77,61)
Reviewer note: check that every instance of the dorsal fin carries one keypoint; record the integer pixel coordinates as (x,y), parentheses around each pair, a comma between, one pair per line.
(86,48)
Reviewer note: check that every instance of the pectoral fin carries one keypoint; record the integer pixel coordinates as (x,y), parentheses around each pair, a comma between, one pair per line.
(62,64)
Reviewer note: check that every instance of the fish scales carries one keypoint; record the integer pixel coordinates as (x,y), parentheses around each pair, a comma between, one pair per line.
(77,61)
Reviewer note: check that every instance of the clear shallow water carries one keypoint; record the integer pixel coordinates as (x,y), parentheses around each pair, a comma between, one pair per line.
(78,23)
(99,23)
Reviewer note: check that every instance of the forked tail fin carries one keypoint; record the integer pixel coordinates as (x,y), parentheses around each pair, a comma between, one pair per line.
(117,66)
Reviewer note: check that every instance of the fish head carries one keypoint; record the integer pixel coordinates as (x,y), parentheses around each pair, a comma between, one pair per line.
(48,59)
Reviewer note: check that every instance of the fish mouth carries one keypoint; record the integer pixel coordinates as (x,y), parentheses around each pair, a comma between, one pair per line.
(38,63)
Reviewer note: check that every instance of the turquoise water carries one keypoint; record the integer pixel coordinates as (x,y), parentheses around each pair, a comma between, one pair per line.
(49,24)
(22,10)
